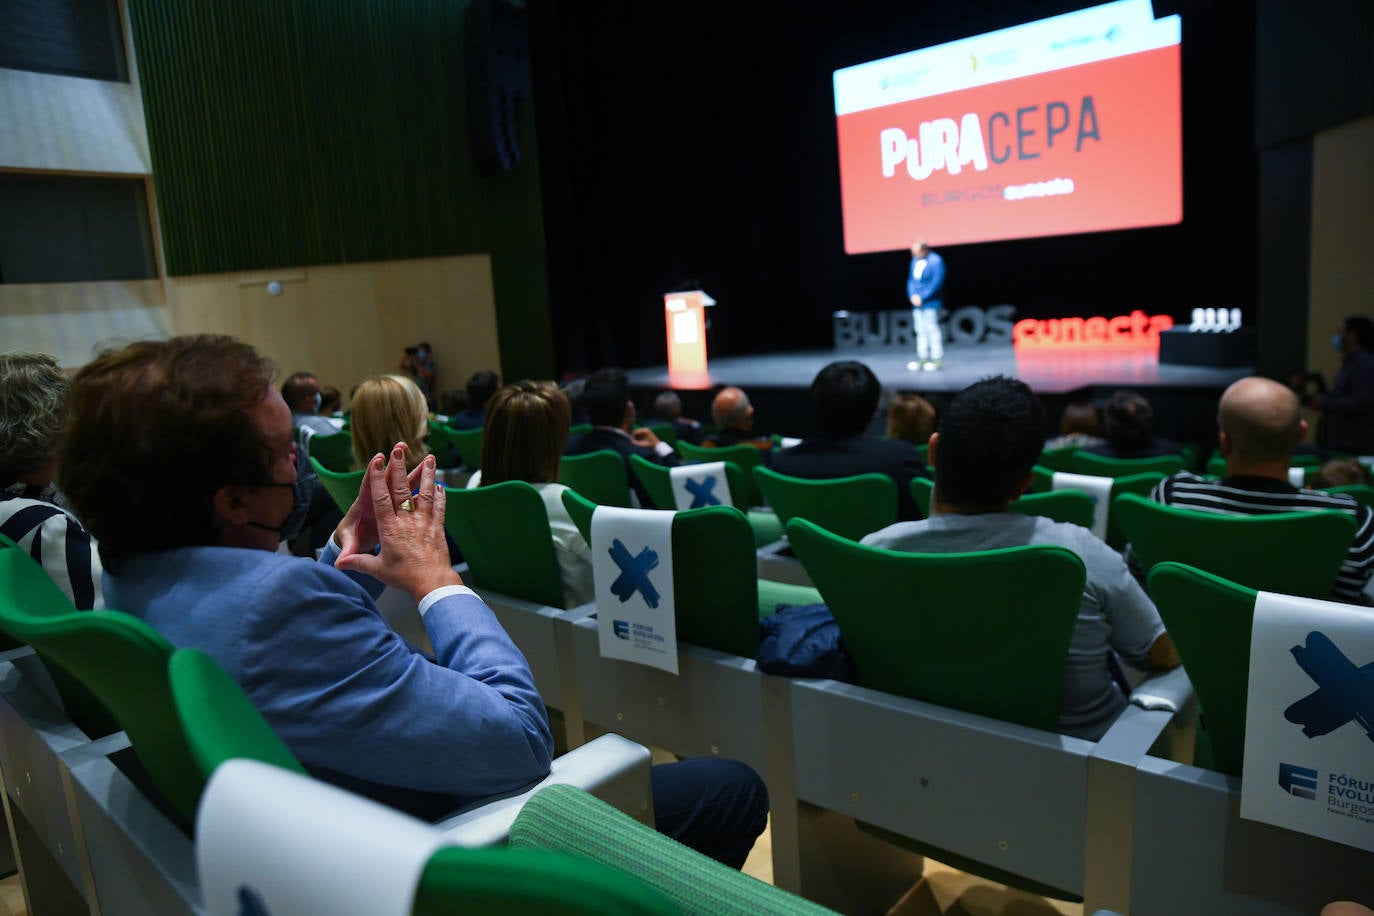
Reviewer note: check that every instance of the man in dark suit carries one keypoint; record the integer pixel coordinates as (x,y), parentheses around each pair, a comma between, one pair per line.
(845,396)
(606,401)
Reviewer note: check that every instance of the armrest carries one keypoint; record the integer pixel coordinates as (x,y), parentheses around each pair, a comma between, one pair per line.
(1168,690)
(611,768)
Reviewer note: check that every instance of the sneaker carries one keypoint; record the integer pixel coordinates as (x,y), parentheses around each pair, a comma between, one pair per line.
(930,365)
(913,366)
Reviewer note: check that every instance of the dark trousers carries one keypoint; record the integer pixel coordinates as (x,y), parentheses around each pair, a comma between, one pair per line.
(716,806)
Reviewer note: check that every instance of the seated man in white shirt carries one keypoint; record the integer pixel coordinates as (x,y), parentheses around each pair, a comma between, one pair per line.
(988,441)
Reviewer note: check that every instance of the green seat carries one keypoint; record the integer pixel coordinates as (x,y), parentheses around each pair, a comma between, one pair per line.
(443,443)
(1074,506)
(600,476)
(343,486)
(1056,459)
(746,456)
(665,431)
(722,610)
(218,719)
(566,819)
(959,630)
(503,533)
(468,442)
(657,481)
(1292,553)
(1081,462)
(334,451)
(27,593)
(1209,620)
(121,660)
(848,506)
(1216,465)
(1362,492)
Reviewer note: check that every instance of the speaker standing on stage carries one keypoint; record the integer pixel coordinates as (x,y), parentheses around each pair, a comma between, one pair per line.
(925,286)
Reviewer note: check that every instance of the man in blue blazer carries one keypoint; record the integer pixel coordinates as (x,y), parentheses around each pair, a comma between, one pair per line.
(925,288)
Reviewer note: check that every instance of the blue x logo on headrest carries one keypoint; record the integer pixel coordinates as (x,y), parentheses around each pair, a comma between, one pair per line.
(701,492)
(1343,692)
(634,573)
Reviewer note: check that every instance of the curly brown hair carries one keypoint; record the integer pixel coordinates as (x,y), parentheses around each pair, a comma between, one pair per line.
(154,429)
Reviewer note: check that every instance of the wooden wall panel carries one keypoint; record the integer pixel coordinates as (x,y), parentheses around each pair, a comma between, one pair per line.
(72,320)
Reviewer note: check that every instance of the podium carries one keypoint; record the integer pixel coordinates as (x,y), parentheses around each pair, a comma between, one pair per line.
(684,316)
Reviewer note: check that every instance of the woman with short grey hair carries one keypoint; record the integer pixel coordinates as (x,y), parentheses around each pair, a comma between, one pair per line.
(33,514)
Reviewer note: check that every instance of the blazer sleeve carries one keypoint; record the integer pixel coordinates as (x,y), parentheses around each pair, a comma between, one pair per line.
(348,694)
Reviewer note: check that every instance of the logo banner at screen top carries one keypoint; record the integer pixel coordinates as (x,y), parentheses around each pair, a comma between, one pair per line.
(1067,125)
(1309,725)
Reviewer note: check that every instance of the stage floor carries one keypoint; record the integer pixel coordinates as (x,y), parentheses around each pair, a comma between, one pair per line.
(1052,373)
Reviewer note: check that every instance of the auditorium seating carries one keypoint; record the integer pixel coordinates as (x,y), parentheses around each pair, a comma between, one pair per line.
(334,451)
(1073,506)
(1293,553)
(343,486)
(600,476)
(657,481)
(1081,462)
(746,456)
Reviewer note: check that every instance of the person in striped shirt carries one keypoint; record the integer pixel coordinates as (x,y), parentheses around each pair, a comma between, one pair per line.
(33,514)
(1259,428)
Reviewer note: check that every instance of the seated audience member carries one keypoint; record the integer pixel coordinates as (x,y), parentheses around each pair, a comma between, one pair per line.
(1340,472)
(33,514)
(845,396)
(606,400)
(988,441)
(387,409)
(1259,427)
(418,365)
(668,409)
(331,402)
(527,427)
(910,417)
(357,704)
(1080,426)
(301,392)
(480,387)
(1347,410)
(734,418)
(1128,423)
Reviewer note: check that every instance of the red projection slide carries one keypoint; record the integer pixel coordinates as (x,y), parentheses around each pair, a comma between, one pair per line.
(1039,148)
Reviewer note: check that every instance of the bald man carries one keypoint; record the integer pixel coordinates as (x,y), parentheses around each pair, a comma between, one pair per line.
(734,419)
(1259,427)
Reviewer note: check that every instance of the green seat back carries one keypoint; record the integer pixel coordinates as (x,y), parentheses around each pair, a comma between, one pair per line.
(503,533)
(7,642)
(333,450)
(1362,492)
(530,882)
(658,481)
(1074,506)
(343,486)
(1293,553)
(123,661)
(1056,459)
(218,719)
(1101,466)
(1209,619)
(468,442)
(567,819)
(600,476)
(719,610)
(1216,465)
(443,443)
(746,456)
(578,429)
(849,506)
(960,630)
(665,431)
(1141,484)
(27,592)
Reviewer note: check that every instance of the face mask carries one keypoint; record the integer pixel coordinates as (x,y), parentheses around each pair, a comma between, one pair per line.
(300,505)
(1337,344)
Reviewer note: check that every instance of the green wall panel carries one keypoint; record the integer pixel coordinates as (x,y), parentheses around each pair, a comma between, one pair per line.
(296,132)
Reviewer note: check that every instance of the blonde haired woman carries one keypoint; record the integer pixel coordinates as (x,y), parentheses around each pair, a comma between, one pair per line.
(387,409)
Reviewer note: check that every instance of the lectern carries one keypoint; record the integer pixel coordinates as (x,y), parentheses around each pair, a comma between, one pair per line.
(684,314)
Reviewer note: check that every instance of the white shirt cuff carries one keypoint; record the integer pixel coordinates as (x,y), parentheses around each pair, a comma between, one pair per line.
(662,449)
(428,601)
